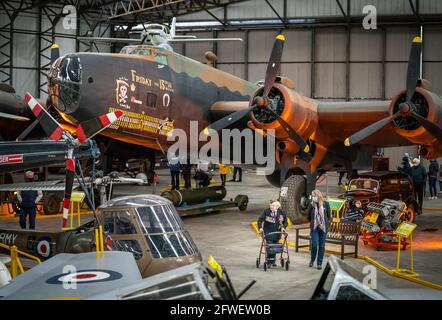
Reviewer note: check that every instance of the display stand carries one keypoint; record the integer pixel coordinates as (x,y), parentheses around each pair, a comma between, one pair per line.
(336,206)
(77,197)
(405,230)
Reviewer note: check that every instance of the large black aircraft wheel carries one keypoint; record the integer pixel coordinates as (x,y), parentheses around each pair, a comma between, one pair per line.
(294,192)
(52,203)
(287,265)
(257,262)
(265,266)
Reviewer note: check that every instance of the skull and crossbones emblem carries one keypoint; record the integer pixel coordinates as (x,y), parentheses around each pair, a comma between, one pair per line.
(122,89)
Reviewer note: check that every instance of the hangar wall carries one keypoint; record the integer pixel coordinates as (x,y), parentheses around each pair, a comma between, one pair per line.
(327,63)
(32,35)
(330,63)
(376,64)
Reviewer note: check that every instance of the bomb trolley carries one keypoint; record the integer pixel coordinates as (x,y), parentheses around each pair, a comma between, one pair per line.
(280,248)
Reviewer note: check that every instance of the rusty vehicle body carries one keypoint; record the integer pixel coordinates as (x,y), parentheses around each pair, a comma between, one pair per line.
(379,185)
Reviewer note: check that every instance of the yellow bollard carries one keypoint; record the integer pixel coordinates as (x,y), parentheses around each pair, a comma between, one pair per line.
(100,228)
(411,253)
(13,261)
(78,214)
(97,243)
(71,211)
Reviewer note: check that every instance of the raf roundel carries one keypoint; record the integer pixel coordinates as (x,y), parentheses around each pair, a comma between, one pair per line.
(43,247)
(85,276)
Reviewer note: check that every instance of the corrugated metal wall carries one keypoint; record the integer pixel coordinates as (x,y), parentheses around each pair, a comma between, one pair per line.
(366,59)
(377,59)
(25,50)
(314,8)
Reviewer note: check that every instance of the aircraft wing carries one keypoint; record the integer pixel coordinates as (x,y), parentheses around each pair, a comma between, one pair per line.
(54,278)
(21,155)
(342,119)
(56,185)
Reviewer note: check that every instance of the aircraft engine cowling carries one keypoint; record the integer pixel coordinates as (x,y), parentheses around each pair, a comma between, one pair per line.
(426,104)
(300,113)
(275,178)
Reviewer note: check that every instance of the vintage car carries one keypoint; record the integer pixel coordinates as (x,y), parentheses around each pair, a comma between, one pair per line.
(379,185)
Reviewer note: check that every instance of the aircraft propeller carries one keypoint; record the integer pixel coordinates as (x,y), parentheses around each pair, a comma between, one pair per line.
(86,130)
(55,52)
(264,101)
(407,108)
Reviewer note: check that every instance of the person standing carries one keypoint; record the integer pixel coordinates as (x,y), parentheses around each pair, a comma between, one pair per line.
(432,178)
(174,166)
(341,175)
(28,200)
(319,215)
(418,175)
(440,178)
(405,166)
(237,170)
(273,219)
(223,171)
(187,174)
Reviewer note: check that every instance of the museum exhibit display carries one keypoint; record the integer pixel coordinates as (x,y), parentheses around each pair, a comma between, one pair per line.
(221,150)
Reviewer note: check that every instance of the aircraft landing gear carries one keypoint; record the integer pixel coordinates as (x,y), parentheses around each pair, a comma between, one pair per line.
(293,196)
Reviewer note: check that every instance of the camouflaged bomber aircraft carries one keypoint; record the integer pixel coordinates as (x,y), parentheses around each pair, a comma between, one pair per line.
(160,90)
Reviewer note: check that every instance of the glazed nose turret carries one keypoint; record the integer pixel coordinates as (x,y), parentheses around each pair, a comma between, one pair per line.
(64,82)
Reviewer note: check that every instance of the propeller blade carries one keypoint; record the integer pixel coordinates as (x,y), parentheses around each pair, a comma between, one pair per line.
(88,129)
(292,133)
(13,116)
(273,65)
(50,126)
(431,127)
(28,130)
(173,27)
(70,174)
(230,119)
(368,131)
(413,69)
(55,52)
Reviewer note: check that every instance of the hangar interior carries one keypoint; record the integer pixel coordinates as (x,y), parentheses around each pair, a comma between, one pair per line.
(326,50)
(328,54)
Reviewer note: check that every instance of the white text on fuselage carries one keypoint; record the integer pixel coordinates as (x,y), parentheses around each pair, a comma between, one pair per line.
(8,238)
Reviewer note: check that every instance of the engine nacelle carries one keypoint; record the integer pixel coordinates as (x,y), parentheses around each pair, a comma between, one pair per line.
(299,112)
(275,178)
(429,106)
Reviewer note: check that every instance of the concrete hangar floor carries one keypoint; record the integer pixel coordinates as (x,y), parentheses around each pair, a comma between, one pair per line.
(230,238)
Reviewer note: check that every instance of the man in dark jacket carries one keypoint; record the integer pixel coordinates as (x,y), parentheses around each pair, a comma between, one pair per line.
(28,201)
(273,219)
(419,176)
(187,174)
(432,178)
(405,166)
(174,166)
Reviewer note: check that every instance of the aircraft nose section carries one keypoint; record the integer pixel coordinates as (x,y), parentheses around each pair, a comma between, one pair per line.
(65,80)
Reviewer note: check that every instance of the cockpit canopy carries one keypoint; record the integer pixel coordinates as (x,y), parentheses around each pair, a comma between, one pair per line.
(153,53)
(151,218)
